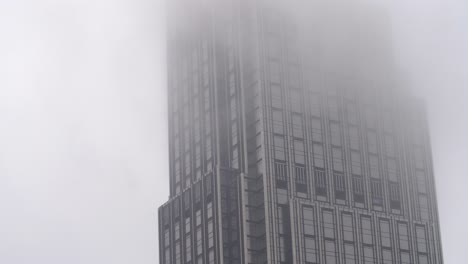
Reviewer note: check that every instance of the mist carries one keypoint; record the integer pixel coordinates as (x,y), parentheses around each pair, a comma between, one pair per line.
(83,120)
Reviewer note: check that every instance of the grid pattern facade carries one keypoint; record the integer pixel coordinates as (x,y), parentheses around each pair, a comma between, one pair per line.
(274,159)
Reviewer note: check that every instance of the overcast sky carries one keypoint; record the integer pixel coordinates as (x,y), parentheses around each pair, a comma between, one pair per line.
(83,134)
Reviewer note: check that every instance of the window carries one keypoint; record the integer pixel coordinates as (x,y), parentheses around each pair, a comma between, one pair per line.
(350,255)
(337,159)
(198,219)
(423,207)
(372,141)
(309,221)
(278,126)
(403,236)
(340,186)
(356,162)
(279,147)
(209,210)
(367,239)
(387,256)
(320,182)
(310,249)
(177,253)
(328,224)
(335,133)
(284,228)
(299,151)
(199,239)
(318,155)
(297,126)
(376,188)
(187,225)
(392,169)
(211,258)
(421,239)
(394,191)
(385,234)
(316,125)
(177,231)
(348,229)
(369,255)
(301,181)
(358,189)
(276,97)
(421,181)
(296,102)
(421,244)
(405,258)
(354,137)
(188,248)
(330,252)
(210,234)
(374,166)
(281,171)
(366,229)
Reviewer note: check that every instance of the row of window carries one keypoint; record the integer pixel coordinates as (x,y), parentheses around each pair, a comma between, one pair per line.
(393,239)
(183,235)
(321,182)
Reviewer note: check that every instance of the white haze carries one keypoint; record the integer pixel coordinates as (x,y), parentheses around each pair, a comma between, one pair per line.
(83,141)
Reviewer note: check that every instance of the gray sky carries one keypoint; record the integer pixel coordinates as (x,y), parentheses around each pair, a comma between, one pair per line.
(83,141)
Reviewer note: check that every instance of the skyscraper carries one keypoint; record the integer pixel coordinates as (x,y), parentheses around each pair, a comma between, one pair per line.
(292,139)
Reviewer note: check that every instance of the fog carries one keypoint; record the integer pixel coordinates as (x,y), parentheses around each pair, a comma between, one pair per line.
(83,126)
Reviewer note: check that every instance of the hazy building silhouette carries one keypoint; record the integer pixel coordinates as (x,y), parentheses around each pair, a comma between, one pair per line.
(292,141)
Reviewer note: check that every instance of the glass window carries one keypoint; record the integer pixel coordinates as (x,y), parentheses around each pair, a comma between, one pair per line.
(188,248)
(335,133)
(310,250)
(318,155)
(316,124)
(350,255)
(328,224)
(421,181)
(423,207)
(385,233)
(387,256)
(366,229)
(278,125)
(421,239)
(405,258)
(299,151)
(348,229)
(354,137)
(276,96)
(337,159)
(374,166)
(279,147)
(403,236)
(309,221)
(330,252)
(372,141)
(296,102)
(298,131)
(369,255)
(356,162)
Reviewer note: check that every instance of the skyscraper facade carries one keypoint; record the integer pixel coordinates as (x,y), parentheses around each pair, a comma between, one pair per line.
(292,140)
